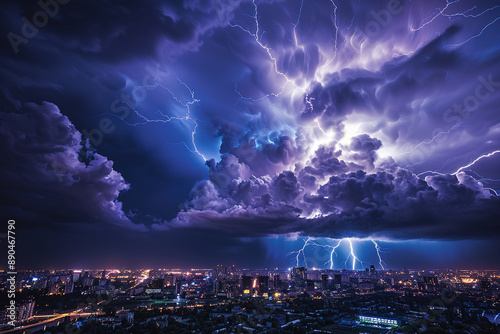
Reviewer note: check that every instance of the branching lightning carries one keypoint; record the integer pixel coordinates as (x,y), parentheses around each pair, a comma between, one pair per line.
(333,247)
(352,255)
(332,253)
(258,40)
(475,36)
(334,21)
(440,13)
(186,117)
(476,160)
(301,252)
(377,248)
(424,142)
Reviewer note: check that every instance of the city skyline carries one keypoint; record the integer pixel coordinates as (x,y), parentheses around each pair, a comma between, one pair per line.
(225,298)
(270,134)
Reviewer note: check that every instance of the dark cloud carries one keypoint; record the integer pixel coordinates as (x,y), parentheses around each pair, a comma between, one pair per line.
(395,205)
(310,122)
(45,177)
(364,148)
(263,157)
(122,31)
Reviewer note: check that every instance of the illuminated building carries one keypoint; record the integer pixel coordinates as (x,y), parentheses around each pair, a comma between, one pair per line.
(76,275)
(169,279)
(246,284)
(263,284)
(24,310)
(324,282)
(299,277)
(379,321)
(68,288)
(155,286)
(339,279)
(276,282)
(432,280)
(219,272)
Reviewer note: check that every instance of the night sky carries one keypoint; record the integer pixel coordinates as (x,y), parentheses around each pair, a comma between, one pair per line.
(188,134)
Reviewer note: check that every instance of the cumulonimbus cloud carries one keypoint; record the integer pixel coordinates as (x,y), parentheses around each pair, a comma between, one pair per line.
(48,177)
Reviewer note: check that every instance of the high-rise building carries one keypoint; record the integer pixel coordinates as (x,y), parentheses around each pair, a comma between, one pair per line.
(219,272)
(169,280)
(24,310)
(372,269)
(431,280)
(178,287)
(156,284)
(220,286)
(68,288)
(299,277)
(231,271)
(324,282)
(277,282)
(76,276)
(263,284)
(246,283)
(340,279)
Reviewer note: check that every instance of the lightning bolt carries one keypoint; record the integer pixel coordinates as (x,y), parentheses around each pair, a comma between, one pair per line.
(257,36)
(471,15)
(484,180)
(435,172)
(332,247)
(334,22)
(464,168)
(186,117)
(297,23)
(333,252)
(301,252)
(350,25)
(377,248)
(258,40)
(319,126)
(352,255)
(476,160)
(463,14)
(441,133)
(440,12)
(475,36)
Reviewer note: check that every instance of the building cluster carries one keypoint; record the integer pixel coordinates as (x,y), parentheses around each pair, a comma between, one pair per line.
(226,299)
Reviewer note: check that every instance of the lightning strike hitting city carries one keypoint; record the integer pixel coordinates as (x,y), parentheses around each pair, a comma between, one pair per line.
(250,166)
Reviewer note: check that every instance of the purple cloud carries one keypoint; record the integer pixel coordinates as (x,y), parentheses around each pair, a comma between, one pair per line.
(48,177)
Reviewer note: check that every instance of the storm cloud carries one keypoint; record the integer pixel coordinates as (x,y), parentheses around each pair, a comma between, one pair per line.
(49,177)
(255,119)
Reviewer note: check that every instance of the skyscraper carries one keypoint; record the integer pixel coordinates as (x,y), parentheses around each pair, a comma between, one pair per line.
(276,282)
(169,279)
(246,283)
(219,272)
(324,282)
(299,277)
(263,284)
(431,280)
